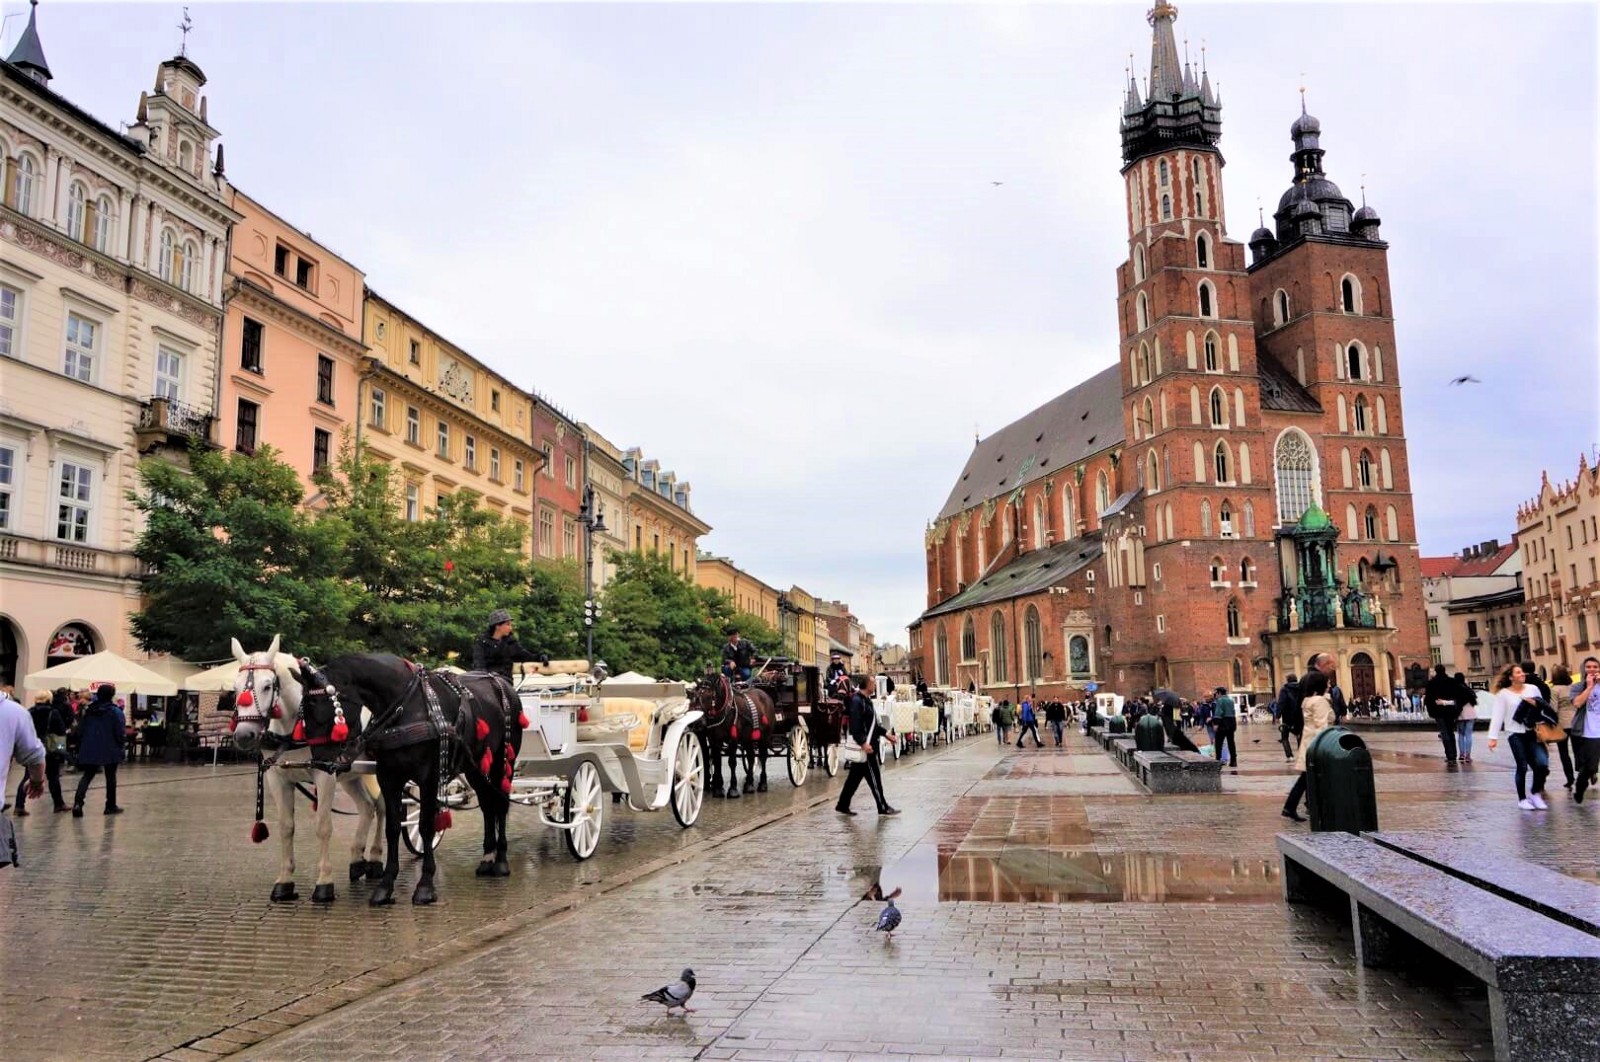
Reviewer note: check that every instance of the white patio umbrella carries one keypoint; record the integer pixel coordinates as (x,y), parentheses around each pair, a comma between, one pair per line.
(218,679)
(87,671)
(170,667)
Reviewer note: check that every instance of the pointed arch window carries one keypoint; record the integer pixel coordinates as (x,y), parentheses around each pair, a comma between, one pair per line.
(1166,208)
(1221,462)
(1296,473)
(1069,525)
(1392,519)
(1149,417)
(1247,571)
(1369,524)
(1202,247)
(1102,494)
(1360,413)
(1213,361)
(1152,473)
(1144,361)
(1218,572)
(1238,673)
(1249,520)
(1280,307)
(1354,362)
(186,266)
(1164,172)
(1234,625)
(1141,311)
(969,641)
(1208,307)
(1364,469)
(941,657)
(1040,524)
(1350,294)
(1225,520)
(1219,408)
(1205,518)
(1138,263)
(1033,644)
(997,647)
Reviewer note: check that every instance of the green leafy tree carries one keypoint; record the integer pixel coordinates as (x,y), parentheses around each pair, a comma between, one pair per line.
(230,554)
(549,612)
(654,620)
(762,636)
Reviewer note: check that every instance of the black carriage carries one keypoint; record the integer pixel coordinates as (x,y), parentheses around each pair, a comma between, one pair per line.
(798,697)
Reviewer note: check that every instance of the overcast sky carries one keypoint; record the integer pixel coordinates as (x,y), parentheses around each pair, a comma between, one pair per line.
(762,242)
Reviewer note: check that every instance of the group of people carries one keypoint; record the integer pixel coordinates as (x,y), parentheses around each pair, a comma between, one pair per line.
(1532,716)
(37,738)
(1026,716)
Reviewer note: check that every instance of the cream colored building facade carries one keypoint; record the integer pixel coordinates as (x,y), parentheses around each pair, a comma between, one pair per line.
(111,263)
(658,513)
(797,613)
(746,592)
(1559,535)
(605,475)
(443,421)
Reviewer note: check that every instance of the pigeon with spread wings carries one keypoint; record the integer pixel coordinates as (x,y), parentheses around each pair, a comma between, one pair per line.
(674,995)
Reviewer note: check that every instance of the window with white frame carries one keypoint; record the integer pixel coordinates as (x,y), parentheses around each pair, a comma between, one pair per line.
(1213,362)
(10,321)
(8,484)
(166,262)
(99,223)
(569,539)
(572,471)
(413,502)
(442,441)
(169,374)
(413,426)
(547,533)
(189,257)
(76,205)
(377,407)
(472,453)
(82,337)
(24,176)
(1295,466)
(518,475)
(74,501)
(494,463)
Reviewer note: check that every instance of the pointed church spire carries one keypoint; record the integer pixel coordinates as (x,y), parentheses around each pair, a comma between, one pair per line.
(28,55)
(1166,77)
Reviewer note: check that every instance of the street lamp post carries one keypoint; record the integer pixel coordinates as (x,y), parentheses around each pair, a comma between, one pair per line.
(591,522)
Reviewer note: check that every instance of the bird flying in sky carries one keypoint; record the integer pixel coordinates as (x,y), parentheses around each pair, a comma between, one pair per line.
(674,995)
(997,184)
(1464,380)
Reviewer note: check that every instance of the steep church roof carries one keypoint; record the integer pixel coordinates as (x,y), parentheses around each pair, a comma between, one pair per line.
(1028,574)
(1280,390)
(1068,428)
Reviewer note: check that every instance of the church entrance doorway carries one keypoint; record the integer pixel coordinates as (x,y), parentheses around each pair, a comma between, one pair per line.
(1363,682)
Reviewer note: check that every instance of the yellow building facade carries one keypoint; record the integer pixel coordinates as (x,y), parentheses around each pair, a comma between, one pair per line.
(743,590)
(658,513)
(442,420)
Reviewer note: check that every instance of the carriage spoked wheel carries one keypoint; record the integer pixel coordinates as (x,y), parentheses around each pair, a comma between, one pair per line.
(456,794)
(830,760)
(688,780)
(799,755)
(583,809)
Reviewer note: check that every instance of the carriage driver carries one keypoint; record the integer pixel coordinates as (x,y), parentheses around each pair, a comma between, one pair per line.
(738,657)
(837,681)
(496,649)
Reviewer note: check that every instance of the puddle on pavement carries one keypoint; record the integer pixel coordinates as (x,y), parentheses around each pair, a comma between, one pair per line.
(1021,874)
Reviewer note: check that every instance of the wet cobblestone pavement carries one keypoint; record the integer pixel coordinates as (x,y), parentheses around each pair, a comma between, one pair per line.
(1051,911)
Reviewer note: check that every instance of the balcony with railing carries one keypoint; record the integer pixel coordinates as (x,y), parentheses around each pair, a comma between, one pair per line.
(166,422)
(34,552)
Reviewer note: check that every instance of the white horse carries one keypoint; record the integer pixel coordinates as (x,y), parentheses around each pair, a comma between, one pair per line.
(267,695)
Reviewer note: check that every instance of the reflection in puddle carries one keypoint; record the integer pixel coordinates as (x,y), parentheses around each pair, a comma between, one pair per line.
(1022,874)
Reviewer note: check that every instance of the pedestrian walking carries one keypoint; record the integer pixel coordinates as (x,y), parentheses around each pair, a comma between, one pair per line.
(1028,723)
(1317,710)
(1227,724)
(863,725)
(1002,719)
(1442,699)
(1467,719)
(1055,713)
(1585,696)
(1291,717)
(17,742)
(1517,707)
(1561,701)
(102,734)
(51,728)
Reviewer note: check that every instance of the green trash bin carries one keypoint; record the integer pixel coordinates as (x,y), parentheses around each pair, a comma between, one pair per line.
(1149,735)
(1340,794)
(1116,724)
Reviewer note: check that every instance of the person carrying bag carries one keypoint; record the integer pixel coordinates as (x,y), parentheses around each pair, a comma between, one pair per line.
(861,741)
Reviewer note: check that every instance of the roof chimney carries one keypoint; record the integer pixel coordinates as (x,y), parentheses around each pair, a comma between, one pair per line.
(1491,547)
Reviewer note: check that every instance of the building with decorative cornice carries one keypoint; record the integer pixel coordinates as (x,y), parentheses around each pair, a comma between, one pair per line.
(604,473)
(112,249)
(744,591)
(1559,535)
(1232,496)
(291,348)
(558,490)
(658,514)
(443,421)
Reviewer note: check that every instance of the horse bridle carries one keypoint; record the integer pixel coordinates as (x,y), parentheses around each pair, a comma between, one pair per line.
(245,708)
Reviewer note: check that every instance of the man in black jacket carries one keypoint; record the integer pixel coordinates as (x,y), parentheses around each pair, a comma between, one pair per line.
(496,649)
(738,657)
(864,731)
(1443,699)
(1291,718)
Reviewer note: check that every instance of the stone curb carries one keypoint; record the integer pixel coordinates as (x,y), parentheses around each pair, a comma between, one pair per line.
(257,1028)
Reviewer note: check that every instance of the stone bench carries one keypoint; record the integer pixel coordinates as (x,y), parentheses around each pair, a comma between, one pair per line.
(1543,976)
(1177,772)
(1123,747)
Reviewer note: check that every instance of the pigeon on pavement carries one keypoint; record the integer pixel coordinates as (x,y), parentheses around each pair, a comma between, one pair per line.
(889,917)
(676,995)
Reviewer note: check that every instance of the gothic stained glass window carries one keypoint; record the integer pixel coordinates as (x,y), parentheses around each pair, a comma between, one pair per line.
(1295,465)
(1078,655)
(1033,642)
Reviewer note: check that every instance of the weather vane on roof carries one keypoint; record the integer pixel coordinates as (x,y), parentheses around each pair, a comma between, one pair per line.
(184,27)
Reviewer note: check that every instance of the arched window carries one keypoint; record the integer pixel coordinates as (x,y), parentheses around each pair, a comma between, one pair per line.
(1149,417)
(1369,524)
(1233,618)
(24,177)
(1144,361)
(1383,417)
(1141,311)
(1387,471)
(1350,294)
(1364,469)
(1217,570)
(1247,571)
(1296,473)
(941,657)
(1069,524)
(1354,362)
(1102,494)
(1238,407)
(1238,673)
(1221,462)
(1249,520)
(1166,177)
(1280,307)
(1152,473)
(1202,251)
(1213,364)
(1078,655)
(75,211)
(1360,413)
(997,647)
(166,266)
(1199,462)
(969,641)
(1166,465)
(186,155)
(1138,263)
(1207,300)
(1033,644)
(1225,520)
(188,267)
(100,227)
(1166,208)
(1169,522)
(1219,409)
(1392,518)
(1205,518)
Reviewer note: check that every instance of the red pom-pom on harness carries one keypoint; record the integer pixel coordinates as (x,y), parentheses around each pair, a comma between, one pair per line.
(486,763)
(299,730)
(244,699)
(233,724)
(755,735)
(522,720)
(341,729)
(259,832)
(505,784)
(733,732)
(442,821)
(483,729)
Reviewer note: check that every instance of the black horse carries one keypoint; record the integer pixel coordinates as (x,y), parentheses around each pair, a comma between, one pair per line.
(735,721)
(425,727)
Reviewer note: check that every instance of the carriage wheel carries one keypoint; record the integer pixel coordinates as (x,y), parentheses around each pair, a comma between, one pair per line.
(688,780)
(830,760)
(896,744)
(799,755)
(582,809)
(411,820)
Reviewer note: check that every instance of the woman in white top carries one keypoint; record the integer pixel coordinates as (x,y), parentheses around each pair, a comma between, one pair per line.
(1527,750)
